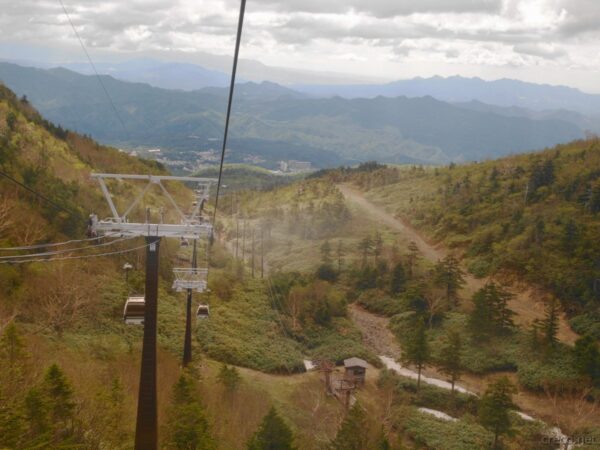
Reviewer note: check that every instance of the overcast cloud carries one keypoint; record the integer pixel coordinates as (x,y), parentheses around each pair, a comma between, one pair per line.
(553,41)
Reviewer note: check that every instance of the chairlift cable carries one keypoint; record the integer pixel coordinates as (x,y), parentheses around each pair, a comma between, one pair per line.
(89,58)
(54,244)
(33,191)
(69,250)
(97,255)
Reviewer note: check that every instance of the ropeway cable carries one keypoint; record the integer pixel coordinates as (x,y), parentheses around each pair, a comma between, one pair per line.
(120,252)
(69,250)
(55,244)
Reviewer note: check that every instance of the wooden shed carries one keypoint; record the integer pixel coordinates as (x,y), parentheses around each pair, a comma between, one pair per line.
(356,370)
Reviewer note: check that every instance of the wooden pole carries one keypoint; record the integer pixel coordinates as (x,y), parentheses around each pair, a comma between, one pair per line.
(262,254)
(252,259)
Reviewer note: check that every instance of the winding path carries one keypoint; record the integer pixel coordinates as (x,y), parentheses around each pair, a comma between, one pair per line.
(524,302)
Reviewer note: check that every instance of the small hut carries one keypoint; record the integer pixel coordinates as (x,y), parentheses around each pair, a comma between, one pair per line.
(356,370)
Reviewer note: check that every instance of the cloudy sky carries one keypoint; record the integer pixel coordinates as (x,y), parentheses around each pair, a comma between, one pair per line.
(552,41)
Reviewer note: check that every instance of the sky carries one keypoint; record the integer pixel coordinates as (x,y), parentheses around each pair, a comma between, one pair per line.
(544,41)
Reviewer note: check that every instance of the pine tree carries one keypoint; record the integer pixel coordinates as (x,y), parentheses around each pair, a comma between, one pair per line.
(416,349)
(59,396)
(549,325)
(364,246)
(587,358)
(494,408)
(187,425)
(450,361)
(450,276)
(326,253)
(352,433)
(382,441)
(491,314)
(12,348)
(272,434)
(340,253)
(377,245)
(229,377)
(398,280)
(412,257)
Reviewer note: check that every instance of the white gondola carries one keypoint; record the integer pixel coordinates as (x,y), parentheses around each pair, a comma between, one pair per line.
(133,313)
(184,242)
(203,311)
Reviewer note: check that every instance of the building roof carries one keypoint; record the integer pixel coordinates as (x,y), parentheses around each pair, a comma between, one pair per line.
(355,362)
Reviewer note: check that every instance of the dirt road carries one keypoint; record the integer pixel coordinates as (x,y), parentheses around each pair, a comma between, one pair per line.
(525,303)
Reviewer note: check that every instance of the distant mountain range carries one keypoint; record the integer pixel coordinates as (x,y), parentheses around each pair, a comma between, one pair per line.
(274,122)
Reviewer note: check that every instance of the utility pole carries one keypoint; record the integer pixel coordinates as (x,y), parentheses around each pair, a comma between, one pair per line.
(262,254)
(146,432)
(244,242)
(237,237)
(187,343)
(252,259)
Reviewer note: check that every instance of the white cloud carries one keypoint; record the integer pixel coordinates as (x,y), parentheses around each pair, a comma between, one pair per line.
(474,36)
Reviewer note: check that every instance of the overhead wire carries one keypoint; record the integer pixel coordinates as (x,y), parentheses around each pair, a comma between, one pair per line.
(68,250)
(97,255)
(89,58)
(229,103)
(55,244)
(43,197)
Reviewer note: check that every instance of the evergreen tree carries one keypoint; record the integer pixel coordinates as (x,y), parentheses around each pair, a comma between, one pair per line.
(187,425)
(59,396)
(12,348)
(377,245)
(229,377)
(398,280)
(494,408)
(450,358)
(326,253)
(587,358)
(340,253)
(450,276)
(352,434)
(412,257)
(36,413)
(382,442)
(11,424)
(549,325)
(416,348)
(490,315)
(364,246)
(272,434)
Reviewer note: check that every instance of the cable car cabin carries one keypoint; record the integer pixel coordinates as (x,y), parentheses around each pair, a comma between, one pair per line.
(184,242)
(133,313)
(203,312)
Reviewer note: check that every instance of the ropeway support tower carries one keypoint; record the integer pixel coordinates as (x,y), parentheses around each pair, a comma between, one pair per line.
(190,226)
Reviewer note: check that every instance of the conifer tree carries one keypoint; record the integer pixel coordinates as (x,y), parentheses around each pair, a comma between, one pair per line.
(412,257)
(352,434)
(450,361)
(491,314)
(416,348)
(364,246)
(549,325)
(340,253)
(59,396)
(187,426)
(398,280)
(450,276)
(382,441)
(229,377)
(494,408)
(12,348)
(272,434)
(587,358)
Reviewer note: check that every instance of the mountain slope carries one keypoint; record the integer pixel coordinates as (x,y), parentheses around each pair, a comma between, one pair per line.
(504,92)
(324,131)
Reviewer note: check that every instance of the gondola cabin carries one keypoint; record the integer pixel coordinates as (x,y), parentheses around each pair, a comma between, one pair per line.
(133,313)
(203,312)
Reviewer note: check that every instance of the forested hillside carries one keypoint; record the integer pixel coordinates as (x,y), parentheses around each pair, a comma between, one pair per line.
(534,217)
(69,366)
